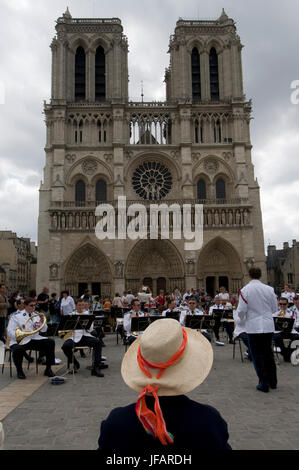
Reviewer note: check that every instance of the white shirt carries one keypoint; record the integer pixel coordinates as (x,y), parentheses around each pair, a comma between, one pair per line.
(67,305)
(187,294)
(144,297)
(295,314)
(128,320)
(196,311)
(258,311)
(215,307)
(19,319)
(288,295)
(77,335)
(223,296)
(239,325)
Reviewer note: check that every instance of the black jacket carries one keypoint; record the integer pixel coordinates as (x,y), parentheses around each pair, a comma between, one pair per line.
(195,427)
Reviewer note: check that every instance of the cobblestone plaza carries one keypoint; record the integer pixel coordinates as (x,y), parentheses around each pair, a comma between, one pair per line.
(68,416)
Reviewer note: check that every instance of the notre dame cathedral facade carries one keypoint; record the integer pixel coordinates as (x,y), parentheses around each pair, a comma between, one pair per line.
(192,148)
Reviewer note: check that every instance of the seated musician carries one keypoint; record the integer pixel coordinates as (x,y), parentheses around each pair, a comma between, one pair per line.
(228,324)
(295,312)
(84,338)
(172,307)
(279,336)
(240,333)
(193,310)
(217,306)
(134,312)
(34,342)
(289,295)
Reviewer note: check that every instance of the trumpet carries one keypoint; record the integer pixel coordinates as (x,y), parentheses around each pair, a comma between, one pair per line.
(20,334)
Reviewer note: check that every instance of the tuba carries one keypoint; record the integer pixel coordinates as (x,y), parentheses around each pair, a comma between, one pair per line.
(20,334)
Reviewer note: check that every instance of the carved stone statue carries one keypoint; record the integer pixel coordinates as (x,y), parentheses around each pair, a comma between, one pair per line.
(238,217)
(190,266)
(119,269)
(223,217)
(216,218)
(53,271)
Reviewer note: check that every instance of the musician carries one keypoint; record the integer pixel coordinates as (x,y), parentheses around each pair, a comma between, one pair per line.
(144,297)
(84,338)
(279,336)
(257,303)
(34,342)
(134,312)
(223,294)
(193,310)
(295,312)
(288,294)
(217,306)
(228,325)
(172,307)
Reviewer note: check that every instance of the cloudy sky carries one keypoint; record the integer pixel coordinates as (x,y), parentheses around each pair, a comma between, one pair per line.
(269,32)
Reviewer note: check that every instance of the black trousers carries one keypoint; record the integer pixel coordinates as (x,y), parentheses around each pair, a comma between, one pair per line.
(229,327)
(47,346)
(278,340)
(89,341)
(260,348)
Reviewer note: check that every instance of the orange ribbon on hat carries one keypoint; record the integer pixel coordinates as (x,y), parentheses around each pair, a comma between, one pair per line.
(154,423)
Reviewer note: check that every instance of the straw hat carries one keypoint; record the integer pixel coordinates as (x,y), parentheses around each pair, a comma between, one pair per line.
(159,342)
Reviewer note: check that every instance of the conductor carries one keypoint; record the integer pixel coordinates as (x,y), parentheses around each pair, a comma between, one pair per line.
(257,303)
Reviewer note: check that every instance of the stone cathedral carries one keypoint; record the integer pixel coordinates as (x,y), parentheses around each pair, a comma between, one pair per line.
(194,147)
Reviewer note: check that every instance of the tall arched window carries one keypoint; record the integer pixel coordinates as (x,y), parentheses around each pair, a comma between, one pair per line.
(220,189)
(80,191)
(195,64)
(101,190)
(80,74)
(214,77)
(201,189)
(100,77)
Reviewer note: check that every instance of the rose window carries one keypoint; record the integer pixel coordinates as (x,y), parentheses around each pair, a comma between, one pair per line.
(152,181)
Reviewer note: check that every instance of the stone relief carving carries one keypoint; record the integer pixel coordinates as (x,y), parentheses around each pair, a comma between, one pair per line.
(195,157)
(108,157)
(53,271)
(211,165)
(70,158)
(89,167)
(190,265)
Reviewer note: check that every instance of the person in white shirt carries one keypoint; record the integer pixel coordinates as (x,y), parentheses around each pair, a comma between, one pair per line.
(144,297)
(84,338)
(67,304)
(172,308)
(257,303)
(288,294)
(217,306)
(135,312)
(193,310)
(295,312)
(223,294)
(279,336)
(186,295)
(130,297)
(33,342)
(228,324)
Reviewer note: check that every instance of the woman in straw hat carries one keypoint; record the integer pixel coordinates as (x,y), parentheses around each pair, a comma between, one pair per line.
(163,364)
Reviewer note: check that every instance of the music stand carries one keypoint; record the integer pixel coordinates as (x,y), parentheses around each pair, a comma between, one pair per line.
(228,315)
(285,325)
(51,330)
(75,322)
(175,315)
(139,323)
(200,322)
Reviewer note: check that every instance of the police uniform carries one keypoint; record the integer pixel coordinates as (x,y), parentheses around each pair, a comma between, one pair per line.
(34,342)
(257,304)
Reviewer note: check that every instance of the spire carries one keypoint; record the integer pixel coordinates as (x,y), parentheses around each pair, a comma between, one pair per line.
(67,14)
(223,18)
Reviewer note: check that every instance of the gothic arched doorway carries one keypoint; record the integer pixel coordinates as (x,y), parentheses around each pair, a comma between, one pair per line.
(157,260)
(88,268)
(219,265)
